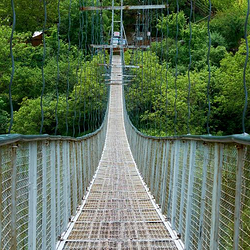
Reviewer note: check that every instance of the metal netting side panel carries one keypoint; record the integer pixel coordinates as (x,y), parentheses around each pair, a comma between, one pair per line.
(227,200)
(62,197)
(165,176)
(180,173)
(6,209)
(84,166)
(39,215)
(47,233)
(208,198)
(22,195)
(57,167)
(184,165)
(168,177)
(144,154)
(152,164)
(159,162)
(244,235)
(79,172)
(197,196)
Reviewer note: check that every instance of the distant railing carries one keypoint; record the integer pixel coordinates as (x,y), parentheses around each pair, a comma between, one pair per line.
(42,182)
(202,184)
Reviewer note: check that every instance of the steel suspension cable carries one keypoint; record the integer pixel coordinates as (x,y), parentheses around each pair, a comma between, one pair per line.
(209,68)
(13,64)
(69,50)
(245,68)
(189,66)
(57,62)
(81,22)
(77,77)
(43,62)
(161,61)
(176,67)
(167,35)
(85,73)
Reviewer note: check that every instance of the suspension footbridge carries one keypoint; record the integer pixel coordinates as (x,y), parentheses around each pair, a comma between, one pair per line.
(117,188)
(118,211)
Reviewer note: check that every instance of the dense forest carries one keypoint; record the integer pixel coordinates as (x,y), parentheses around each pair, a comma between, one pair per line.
(169,93)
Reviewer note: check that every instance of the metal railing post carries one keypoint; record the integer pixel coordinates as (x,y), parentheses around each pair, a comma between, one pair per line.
(170,182)
(80,169)
(13,197)
(44,215)
(175,182)
(68,164)
(190,193)
(65,185)
(53,193)
(153,160)
(84,166)
(164,175)
(74,183)
(1,199)
(58,160)
(215,222)
(183,184)
(32,195)
(203,195)
(237,210)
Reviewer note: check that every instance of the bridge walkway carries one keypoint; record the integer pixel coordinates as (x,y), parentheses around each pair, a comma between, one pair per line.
(118,212)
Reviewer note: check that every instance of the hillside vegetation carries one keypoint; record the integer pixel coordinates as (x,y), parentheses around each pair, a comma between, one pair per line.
(158,99)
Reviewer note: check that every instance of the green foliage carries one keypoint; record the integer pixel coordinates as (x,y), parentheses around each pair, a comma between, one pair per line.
(229,102)
(230,25)
(29,14)
(4,117)
(152,101)
(87,99)
(151,98)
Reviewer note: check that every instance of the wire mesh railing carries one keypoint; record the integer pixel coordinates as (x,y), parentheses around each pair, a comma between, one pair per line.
(202,184)
(42,182)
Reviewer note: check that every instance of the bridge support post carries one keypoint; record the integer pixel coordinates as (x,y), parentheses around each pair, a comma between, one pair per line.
(1,198)
(32,195)
(53,193)
(239,173)
(215,222)
(164,175)
(65,185)
(44,216)
(175,182)
(170,182)
(58,160)
(74,183)
(153,160)
(13,197)
(190,193)
(79,152)
(183,184)
(203,194)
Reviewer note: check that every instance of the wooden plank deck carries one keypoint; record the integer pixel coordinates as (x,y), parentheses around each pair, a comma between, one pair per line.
(118,211)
